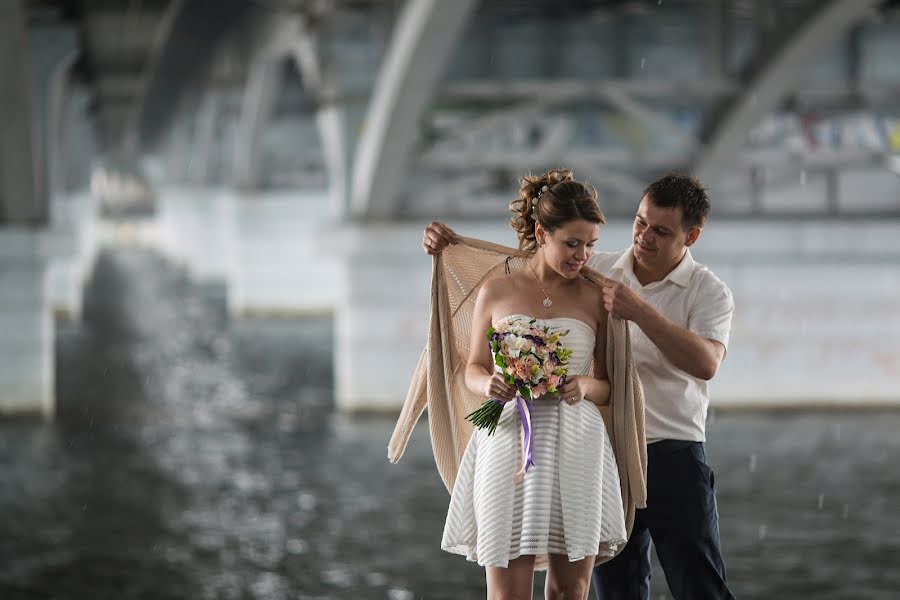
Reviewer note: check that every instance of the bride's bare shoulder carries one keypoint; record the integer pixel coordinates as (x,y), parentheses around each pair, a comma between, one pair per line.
(502,284)
(497,290)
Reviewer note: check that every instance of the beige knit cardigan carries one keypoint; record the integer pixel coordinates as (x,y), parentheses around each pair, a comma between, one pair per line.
(438,381)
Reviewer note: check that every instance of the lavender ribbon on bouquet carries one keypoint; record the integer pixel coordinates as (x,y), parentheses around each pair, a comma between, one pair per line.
(527,436)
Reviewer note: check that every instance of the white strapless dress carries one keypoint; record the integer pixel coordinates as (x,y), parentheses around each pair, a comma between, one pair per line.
(568,503)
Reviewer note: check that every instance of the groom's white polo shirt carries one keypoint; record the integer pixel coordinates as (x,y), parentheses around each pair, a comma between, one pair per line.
(692,297)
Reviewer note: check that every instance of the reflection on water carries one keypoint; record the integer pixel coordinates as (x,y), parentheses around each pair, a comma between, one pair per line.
(195,457)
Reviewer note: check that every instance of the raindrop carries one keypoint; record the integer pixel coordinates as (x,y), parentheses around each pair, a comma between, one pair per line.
(762,532)
(821,501)
(338,576)
(803,177)
(306,501)
(643,61)
(752,463)
(399,594)
(295,546)
(837,431)
(846,510)
(83,508)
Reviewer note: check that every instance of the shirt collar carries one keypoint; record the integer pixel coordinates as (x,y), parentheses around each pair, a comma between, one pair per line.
(680,275)
(625,262)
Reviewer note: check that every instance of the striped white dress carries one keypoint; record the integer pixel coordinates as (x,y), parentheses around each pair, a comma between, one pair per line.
(568,503)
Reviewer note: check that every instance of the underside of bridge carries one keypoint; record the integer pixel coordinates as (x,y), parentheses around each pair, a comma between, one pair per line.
(294,148)
(428,108)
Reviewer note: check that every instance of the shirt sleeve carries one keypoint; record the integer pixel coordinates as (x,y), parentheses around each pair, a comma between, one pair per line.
(710,315)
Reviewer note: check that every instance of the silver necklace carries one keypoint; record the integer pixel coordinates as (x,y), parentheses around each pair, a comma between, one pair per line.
(547,302)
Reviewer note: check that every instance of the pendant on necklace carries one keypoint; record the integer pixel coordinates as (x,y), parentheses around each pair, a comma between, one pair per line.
(548,302)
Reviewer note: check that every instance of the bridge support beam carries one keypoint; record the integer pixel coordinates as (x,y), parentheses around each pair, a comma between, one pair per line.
(21,201)
(263,85)
(774,73)
(425,35)
(33,67)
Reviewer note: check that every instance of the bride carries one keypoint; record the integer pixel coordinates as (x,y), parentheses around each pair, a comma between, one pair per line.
(566,513)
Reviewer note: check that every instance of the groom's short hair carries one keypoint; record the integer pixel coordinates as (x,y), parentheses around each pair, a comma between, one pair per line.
(682,191)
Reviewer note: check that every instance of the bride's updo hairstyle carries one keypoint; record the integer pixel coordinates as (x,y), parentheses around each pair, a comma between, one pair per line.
(553,199)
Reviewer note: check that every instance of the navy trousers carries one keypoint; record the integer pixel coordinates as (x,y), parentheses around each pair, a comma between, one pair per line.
(682,520)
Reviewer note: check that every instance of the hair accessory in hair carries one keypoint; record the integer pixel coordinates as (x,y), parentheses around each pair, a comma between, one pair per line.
(534,203)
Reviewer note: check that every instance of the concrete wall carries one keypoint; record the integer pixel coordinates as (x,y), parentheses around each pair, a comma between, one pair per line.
(26,342)
(288,255)
(265,246)
(73,238)
(817,317)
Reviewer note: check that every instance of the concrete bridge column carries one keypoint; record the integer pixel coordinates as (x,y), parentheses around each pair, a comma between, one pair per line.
(73,248)
(26,345)
(381,316)
(287,254)
(196,226)
(32,73)
(276,252)
(73,211)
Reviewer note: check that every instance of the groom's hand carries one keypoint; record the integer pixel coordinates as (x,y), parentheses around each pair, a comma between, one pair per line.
(437,237)
(621,301)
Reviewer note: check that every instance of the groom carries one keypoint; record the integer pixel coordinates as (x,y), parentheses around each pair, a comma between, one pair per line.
(682,313)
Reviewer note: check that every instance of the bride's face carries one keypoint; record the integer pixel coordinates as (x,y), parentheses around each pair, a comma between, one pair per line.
(567,249)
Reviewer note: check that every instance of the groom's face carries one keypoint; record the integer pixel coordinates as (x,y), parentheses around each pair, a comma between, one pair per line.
(659,236)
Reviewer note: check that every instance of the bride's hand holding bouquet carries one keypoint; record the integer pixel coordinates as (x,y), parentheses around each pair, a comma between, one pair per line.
(529,362)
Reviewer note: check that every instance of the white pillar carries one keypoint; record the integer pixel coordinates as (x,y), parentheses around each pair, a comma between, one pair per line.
(73,246)
(196,226)
(381,316)
(26,344)
(286,254)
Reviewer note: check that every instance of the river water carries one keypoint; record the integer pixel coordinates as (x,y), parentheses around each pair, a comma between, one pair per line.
(198,457)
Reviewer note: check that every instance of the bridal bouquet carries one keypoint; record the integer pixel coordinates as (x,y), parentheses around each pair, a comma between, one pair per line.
(530,358)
